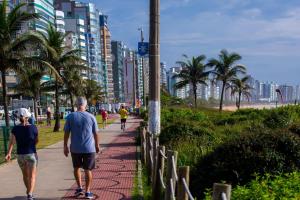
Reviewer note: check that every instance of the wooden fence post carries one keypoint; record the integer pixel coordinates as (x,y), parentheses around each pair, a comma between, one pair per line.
(148,157)
(143,146)
(160,164)
(154,155)
(183,172)
(219,188)
(170,174)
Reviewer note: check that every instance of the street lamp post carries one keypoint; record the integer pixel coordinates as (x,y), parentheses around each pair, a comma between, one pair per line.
(154,68)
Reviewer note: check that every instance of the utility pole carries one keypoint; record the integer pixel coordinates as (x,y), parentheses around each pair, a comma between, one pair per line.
(144,74)
(154,68)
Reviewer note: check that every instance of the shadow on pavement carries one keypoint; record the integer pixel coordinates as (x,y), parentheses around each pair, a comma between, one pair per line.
(23,197)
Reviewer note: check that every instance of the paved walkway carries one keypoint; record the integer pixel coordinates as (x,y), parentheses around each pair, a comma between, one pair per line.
(113,178)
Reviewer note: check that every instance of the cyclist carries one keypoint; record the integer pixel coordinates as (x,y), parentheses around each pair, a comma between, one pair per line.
(124,114)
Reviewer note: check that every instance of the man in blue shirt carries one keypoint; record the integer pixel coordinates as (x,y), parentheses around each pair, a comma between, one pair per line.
(83,128)
(26,137)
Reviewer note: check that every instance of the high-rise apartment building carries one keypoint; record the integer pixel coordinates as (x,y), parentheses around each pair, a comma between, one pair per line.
(287,93)
(83,19)
(129,70)
(106,54)
(44,8)
(118,58)
(163,75)
(297,93)
(59,21)
(171,81)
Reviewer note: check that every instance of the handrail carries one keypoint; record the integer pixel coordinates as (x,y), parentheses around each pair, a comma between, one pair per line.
(163,155)
(172,189)
(174,168)
(186,187)
(161,180)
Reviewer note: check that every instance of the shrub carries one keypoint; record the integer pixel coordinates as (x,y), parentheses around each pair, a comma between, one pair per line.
(295,128)
(182,129)
(237,160)
(279,118)
(192,149)
(286,186)
(222,120)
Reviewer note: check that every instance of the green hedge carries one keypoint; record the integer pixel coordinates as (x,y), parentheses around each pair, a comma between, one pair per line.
(237,160)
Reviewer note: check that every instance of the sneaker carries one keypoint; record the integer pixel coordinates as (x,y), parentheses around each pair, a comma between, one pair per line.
(30,197)
(78,192)
(89,195)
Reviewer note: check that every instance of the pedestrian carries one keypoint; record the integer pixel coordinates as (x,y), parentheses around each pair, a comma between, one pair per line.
(31,120)
(104,115)
(25,135)
(124,115)
(48,116)
(83,128)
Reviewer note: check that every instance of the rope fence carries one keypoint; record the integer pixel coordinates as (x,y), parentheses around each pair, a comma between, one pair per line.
(171,182)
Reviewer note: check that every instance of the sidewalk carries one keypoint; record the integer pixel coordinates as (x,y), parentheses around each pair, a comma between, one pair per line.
(113,178)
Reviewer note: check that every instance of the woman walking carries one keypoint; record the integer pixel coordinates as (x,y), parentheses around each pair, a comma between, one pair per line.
(25,135)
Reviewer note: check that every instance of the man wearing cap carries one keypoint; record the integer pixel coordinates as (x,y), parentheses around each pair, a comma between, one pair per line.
(83,128)
(26,137)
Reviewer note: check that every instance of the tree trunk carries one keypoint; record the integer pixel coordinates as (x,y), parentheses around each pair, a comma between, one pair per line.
(57,115)
(5,98)
(195,95)
(72,103)
(222,96)
(239,102)
(35,108)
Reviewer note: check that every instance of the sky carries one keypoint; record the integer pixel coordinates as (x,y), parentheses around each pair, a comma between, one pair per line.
(266,33)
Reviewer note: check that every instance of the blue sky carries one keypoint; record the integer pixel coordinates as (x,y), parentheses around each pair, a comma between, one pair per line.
(266,33)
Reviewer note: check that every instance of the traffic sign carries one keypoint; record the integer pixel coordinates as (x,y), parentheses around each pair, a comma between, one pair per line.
(143,48)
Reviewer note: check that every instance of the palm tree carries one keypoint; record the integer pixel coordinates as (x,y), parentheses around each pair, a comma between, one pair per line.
(12,45)
(226,70)
(59,57)
(73,83)
(30,83)
(193,73)
(92,91)
(241,87)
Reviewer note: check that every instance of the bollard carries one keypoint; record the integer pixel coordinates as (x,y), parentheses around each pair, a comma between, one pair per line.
(220,188)
(183,172)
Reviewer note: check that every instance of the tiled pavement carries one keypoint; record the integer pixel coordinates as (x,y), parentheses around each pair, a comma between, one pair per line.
(115,168)
(113,178)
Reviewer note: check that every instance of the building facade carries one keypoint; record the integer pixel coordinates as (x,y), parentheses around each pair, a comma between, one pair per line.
(83,20)
(106,55)
(59,21)
(118,58)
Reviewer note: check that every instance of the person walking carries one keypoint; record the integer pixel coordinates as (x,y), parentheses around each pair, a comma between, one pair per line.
(48,116)
(26,137)
(83,128)
(104,115)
